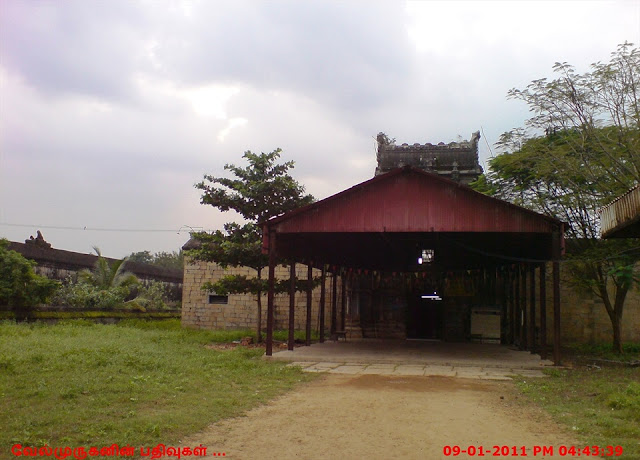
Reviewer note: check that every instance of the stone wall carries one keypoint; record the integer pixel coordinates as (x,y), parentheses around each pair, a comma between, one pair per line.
(584,318)
(59,264)
(240,312)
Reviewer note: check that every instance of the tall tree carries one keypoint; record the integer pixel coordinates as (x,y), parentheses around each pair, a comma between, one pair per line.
(257,192)
(579,150)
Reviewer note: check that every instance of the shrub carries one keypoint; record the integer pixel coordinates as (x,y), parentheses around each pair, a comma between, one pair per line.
(84,295)
(152,295)
(20,287)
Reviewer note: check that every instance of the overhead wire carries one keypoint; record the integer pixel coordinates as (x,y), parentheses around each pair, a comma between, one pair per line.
(104,229)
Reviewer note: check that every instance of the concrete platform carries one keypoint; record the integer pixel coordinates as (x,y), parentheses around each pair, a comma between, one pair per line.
(407,357)
(485,373)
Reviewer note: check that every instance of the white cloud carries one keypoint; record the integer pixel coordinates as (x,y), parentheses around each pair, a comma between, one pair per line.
(231,124)
(109,112)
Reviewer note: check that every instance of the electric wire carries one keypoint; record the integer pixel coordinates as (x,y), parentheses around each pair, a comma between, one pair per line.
(104,229)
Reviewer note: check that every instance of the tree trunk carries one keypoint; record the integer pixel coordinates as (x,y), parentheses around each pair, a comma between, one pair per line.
(616,320)
(614,310)
(259,328)
(617,335)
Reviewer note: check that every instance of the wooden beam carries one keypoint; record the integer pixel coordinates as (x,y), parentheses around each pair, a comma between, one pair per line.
(323,280)
(292,305)
(309,294)
(543,311)
(270,294)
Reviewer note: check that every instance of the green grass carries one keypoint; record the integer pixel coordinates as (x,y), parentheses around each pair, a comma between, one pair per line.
(221,336)
(604,351)
(601,406)
(139,383)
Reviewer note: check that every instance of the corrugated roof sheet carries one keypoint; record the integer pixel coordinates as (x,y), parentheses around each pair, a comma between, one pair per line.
(382,222)
(621,217)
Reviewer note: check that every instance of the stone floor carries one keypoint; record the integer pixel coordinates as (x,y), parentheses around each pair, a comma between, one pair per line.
(406,357)
(469,372)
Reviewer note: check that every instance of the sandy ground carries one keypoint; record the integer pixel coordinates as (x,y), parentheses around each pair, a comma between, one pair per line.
(377,416)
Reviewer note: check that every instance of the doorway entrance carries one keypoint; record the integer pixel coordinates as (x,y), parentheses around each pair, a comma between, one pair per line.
(426,317)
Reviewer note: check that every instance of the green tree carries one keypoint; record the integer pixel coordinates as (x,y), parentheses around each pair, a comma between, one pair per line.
(141,257)
(257,192)
(173,260)
(20,287)
(579,150)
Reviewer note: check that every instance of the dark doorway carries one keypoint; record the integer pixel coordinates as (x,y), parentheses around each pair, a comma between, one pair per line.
(425,318)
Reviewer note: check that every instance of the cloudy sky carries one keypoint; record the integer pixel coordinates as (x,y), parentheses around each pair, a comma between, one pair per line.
(111,110)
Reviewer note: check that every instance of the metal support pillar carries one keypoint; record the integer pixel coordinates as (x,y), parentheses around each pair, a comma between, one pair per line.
(512,305)
(517,307)
(532,310)
(323,280)
(334,307)
(524,324)
(270,295)
(556,250)
(309,294)
(343,303)
(504,304)
(543,311)
(292,305)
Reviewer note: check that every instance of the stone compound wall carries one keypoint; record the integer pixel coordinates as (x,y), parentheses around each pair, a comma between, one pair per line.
(241,310)
(584,318)
(59,264)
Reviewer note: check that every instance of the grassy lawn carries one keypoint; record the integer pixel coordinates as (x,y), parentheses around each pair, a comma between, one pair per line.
(137,383)
(601,405)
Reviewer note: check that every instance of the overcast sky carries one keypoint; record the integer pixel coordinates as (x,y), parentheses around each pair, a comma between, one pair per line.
(111,110)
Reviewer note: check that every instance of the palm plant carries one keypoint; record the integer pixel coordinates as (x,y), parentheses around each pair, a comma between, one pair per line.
(105,276)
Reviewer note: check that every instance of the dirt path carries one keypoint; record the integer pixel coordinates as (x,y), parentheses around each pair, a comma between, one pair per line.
(375,416)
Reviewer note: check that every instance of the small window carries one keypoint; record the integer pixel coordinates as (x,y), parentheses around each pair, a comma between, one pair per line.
(218,299)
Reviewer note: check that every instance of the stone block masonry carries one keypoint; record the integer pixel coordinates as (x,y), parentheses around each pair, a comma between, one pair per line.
(584,318)
(240,310)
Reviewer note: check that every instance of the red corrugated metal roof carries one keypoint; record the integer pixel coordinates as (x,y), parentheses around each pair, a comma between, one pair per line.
(384,221)
(411,200)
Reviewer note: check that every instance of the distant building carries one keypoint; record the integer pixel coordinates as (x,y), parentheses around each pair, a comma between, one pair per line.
(457,161)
